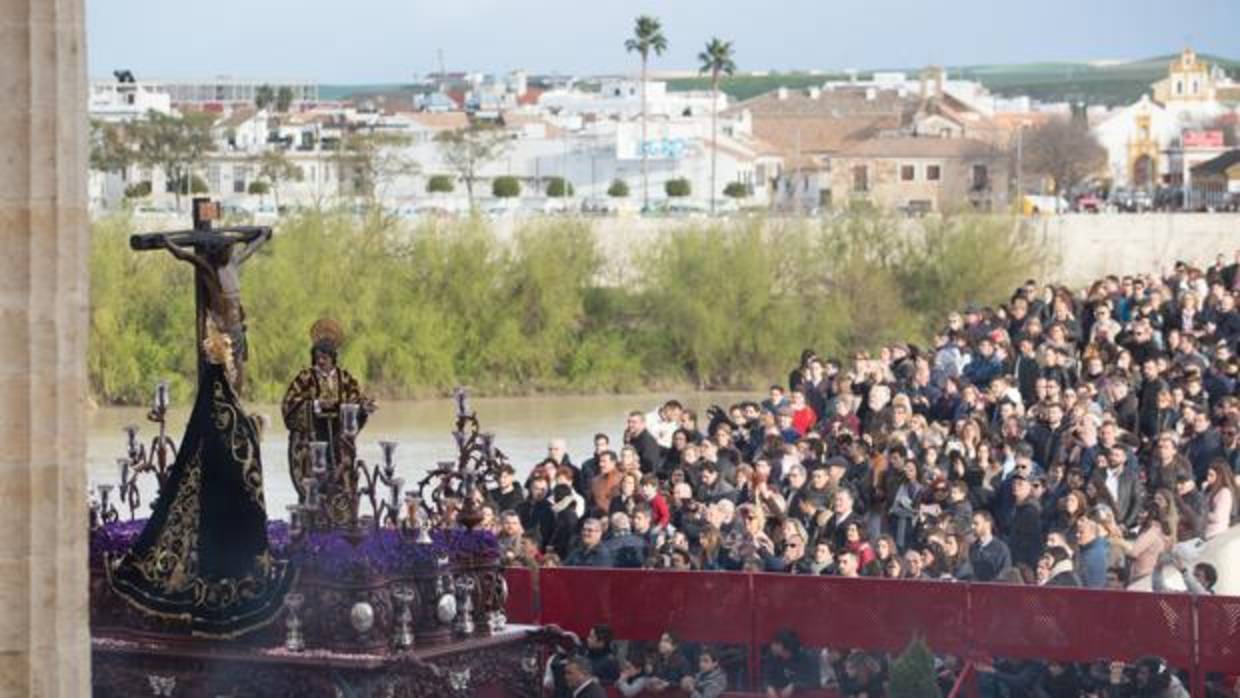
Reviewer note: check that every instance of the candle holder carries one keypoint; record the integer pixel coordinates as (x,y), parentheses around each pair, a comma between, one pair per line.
(311,486)
(296,527)
(107,511)
(449,493)
(319,456)
(348,419)
(141,459)
(404,595)
(160,403)
(293,640)
(465,605)
(128,491)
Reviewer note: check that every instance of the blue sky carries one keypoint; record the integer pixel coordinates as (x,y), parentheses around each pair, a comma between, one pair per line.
(389,40)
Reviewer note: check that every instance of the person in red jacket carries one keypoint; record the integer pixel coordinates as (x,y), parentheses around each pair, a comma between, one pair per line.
(803,416)
(658,505)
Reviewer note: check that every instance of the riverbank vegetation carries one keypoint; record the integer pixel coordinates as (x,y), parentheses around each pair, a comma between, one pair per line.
(714,304)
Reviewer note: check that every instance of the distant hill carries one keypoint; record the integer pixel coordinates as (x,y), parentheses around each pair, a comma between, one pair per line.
(1093,83)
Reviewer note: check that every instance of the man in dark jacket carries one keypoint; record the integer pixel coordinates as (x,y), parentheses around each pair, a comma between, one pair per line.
(989,556)
(537,516)
(1024,529)
(625,548)
(649,454)
(786,667)
(580,679)
(590,551)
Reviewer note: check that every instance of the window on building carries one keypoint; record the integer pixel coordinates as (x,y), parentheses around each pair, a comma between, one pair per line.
(240,175)
(908,173)
(1195,87)
(1179,87)
(933,173)
(981,177)
(861,178)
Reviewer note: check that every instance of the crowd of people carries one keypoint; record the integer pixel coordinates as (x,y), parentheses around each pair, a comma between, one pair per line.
(1060,438)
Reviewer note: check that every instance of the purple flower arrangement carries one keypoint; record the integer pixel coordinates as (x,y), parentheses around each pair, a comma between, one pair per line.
(330,554)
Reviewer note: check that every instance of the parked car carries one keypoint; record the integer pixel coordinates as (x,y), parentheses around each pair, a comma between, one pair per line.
(1132,200)
(1088,203)
(1169,199)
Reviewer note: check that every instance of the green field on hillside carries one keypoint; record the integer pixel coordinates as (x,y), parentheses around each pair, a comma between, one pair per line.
(1113,84)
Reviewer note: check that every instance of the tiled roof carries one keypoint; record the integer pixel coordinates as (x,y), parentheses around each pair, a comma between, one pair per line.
(839,102)
(440,121)
(1218,165)
(909,147)
(819,134)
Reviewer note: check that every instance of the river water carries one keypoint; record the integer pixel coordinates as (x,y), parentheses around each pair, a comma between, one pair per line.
(522,428)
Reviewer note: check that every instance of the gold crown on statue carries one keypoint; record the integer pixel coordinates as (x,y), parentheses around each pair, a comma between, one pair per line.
(326,331)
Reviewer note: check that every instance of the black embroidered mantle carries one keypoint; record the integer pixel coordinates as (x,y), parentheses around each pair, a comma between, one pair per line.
(203,557)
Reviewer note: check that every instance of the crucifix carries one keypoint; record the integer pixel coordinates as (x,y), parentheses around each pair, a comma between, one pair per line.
(216,255)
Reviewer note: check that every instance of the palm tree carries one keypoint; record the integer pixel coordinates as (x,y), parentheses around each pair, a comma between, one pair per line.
(647,37)
(717,60)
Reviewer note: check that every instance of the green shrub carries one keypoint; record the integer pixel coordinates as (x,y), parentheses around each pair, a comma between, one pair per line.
(912,673)
(138,190)
(736,190)
(619,189)
(677,188)
(725,304)
(506,187)
(559,188)
(440,184)
(259,188)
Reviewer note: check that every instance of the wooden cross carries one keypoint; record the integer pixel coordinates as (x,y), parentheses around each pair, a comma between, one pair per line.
(217,260)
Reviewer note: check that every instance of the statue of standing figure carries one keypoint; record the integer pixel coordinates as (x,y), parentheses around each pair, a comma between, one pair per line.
(325,404)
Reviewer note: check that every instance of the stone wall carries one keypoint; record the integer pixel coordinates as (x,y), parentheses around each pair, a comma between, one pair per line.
(44,641)
(1088,246)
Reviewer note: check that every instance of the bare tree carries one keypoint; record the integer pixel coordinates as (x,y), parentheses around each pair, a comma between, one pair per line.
(1065,151)
(371,160)
(175,144)
(468,150)
(275,167)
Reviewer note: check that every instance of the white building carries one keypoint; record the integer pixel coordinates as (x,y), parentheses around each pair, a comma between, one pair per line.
(621,98)
(1138,137)
(113,101)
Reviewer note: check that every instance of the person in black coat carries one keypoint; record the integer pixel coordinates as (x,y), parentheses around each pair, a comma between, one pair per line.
(785,665)
(1024,529)
(989,556)
(578,674)
(537,516)
(649,453)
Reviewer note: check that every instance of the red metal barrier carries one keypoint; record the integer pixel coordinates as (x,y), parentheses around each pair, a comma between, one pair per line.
(974,621)
(640,604)
(1218,618)
(879,614)
(1020,622)
(522,595)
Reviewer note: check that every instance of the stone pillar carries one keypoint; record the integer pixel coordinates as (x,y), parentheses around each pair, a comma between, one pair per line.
(44,238)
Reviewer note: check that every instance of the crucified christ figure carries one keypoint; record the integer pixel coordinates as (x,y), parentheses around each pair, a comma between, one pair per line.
(217,263)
